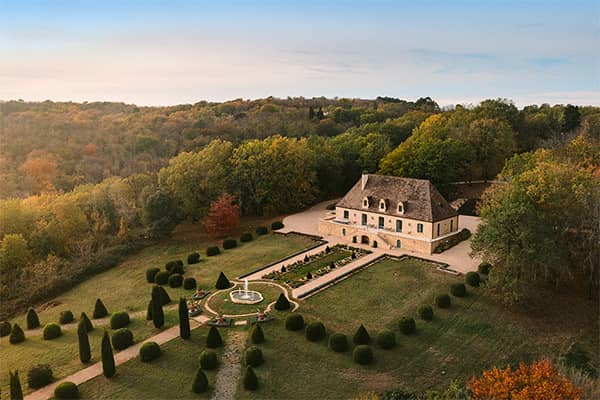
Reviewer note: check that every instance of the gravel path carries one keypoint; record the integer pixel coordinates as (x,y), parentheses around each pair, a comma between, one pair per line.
(230,372)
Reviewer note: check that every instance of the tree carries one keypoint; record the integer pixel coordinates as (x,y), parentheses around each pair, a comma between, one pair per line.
(158,316)
(311,112)
(223,217)
(16,393)
(160,214)
(42,167)
(571,118)
(108,359)
(538,381)
(492,142)
(85,353)
(14,253)
(184,319)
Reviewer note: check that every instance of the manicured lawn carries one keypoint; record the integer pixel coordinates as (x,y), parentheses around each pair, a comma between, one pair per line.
(222,303)
(168,377)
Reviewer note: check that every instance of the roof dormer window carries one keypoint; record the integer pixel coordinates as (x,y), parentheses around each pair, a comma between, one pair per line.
(366,202)
(401,207)
(382,205)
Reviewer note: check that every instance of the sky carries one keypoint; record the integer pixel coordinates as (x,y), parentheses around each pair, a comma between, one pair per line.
(172,52)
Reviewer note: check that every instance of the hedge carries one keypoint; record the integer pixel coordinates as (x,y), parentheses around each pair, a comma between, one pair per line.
(443,300)
(362,354)
(229,244)
(66,390)
(51,331)
(189,283)
(100,310)
(119,319)
(426,313)
(162,278)
(149,351)
(473,279)
(222,282)
(257,336)
(246,237)
(262,230)
(484,268)
(208,360)
(361,336)
(32,319)
(212,251)
(175,280)
(458,290)
(249,379)
(294,322)
(407,325)
(122,339)
(386,339)
(452,241)
(276,225)
(213,340)
(151,274)
(16,335)
(39,376)
(175,267)
(338,342)
(315,331)
(200,384)
(253,356)
(193,258)
(66,317)
(5,328)
(282,303)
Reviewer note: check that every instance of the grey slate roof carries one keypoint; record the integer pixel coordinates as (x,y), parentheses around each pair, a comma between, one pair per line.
(422,201)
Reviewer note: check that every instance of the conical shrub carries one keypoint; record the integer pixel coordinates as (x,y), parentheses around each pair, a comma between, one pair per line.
(184,320)
(85,354)
(250,380)
(32,319)
(158,316)
(282,303)
(361,336)
(257,336)
(108,359)
(164,296)
(100,310)
(88,324)
(222,282)
(16,392)
(200,384)
(213,340)
(149,311)
(16,335)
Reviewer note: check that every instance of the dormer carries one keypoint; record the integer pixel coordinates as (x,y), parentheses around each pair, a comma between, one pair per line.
(365,202)
(401,207)
(383,205)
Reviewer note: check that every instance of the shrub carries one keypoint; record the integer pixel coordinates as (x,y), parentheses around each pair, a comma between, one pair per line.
(193,258)
(16,392)
(66,317)
(184,319)
(246,237)
(212,251)
(253,356)
(175,280)
(86,322)
(66,390)
(473,279)
(308,276)
(276,225)
(32,319)
(282,303)
(257,336)
(85,353)
(386,339)
(338,342)
(213,340)
(426,313)
(407,325)
(484,268)
(362,354)
(262,230)
(189,283)
(39,376)
(151,274)
(156,302)
(108,358)
(222,282)
(122,339)
(51,331)
(458,290)
(149,351)
(229,244)
(208,360)
(99,310)
(443,300)
(161,278)
(200,384)
(163,295)
(332,265)
(5,328)
(315,331)
(294,322)
(16,335)
(249,379)
(149,311)
(361,336)
(119,320)
(175,267)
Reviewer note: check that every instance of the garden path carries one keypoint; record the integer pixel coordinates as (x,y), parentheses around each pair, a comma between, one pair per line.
(230,371)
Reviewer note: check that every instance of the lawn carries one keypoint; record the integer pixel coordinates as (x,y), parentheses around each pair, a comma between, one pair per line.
(222,303)
(168,377)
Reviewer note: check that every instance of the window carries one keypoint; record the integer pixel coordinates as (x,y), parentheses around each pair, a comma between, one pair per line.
(451,223)
(382,204)
(364,219)
(398,243)
(400,208)
(366,202)
(346,214)
(420,228)
(343,231)
(438,230)
(398,225)
(381,222)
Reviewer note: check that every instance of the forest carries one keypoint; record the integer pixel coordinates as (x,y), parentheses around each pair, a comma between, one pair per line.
(84,184)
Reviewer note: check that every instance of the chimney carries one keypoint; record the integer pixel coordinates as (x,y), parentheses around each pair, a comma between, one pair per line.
(363,182)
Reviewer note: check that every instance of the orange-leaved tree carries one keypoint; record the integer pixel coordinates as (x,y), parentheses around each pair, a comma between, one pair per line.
(223,217)
(538,381)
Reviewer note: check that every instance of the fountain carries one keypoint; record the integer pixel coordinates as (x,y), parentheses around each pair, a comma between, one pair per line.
(245,296)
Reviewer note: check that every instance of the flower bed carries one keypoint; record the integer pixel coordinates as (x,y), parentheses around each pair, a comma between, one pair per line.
(300,272)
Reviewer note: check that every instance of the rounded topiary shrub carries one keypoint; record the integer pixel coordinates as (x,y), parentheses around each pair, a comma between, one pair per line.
(473,279)
(122,339)
(386,339)
(229,244)
(262,230)
(484,268)
(426,313)
(66,317)
(249,379)
(253,356)
(162,277)
(66,390)
(458,290)
(443,300)
(276,225)
(5,328)
(315,331)
(208,360)
(294,322)
(212,251)
(407,325)
(151,274)
(175,280)
(338,342)
(362,354)
(189,283)
(16,335)
(361,336)
(175,267)
(149,351)
(193,258)
(282,303)
(246,237)
(39,376)
(119,320)
(51,331)
(257,335)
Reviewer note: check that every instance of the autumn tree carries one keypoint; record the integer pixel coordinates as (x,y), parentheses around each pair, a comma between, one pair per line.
(223,217)
(42,167)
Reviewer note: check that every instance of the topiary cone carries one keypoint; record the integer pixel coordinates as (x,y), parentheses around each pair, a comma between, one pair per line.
(184,320)
(158,316)
(282,303)
(100,310)
(108,359)
(149,311)
(85,354)
(222,282)
(88,324)
(361,336)
(32,319)
(257,336)
(200,384)
(16,335)
(16,393)
(250,380)
(213,340)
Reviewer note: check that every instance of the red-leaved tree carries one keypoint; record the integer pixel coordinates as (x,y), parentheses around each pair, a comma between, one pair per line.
(223,217)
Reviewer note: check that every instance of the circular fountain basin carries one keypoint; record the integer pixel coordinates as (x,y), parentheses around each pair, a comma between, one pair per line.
(245,297)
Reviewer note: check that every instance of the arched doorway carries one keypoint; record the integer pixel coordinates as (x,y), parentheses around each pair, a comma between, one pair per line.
(364,239)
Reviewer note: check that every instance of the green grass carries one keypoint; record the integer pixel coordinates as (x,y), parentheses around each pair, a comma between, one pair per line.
(223,305)
(168,377)
(300,272)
